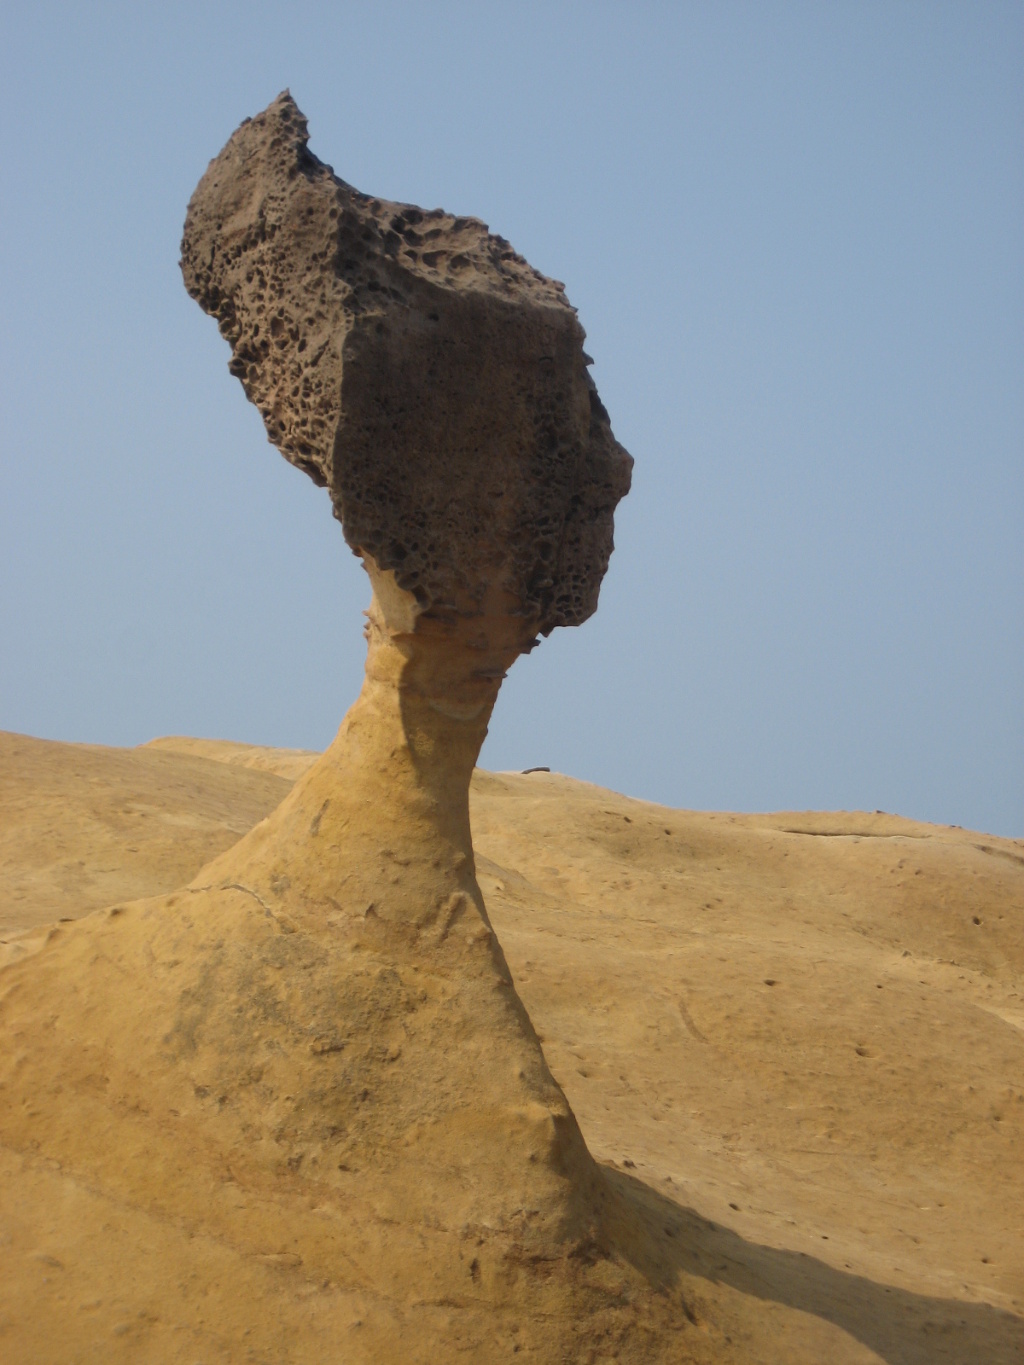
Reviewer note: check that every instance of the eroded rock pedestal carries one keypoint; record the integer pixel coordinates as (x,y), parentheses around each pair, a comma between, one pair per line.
(437,385)
(315,1052)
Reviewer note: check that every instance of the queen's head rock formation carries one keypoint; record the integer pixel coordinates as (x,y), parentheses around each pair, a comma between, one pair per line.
(315,1052)
(437,385)
(295,1111)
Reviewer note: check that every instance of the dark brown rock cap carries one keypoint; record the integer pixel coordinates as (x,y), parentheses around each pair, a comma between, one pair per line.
(418,367)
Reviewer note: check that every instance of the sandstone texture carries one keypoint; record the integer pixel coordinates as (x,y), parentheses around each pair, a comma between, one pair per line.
(143,818)
(834,1159)
(419,368)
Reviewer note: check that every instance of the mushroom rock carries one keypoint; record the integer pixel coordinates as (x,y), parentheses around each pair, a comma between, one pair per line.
(314,1054)
(437,385)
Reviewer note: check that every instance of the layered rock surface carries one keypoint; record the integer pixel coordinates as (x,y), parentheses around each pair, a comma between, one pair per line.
(831,1157)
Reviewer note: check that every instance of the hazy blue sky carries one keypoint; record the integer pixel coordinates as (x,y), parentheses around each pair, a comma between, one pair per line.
(793,233)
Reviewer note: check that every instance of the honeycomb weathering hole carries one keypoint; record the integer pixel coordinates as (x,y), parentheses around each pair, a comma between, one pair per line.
(417,366)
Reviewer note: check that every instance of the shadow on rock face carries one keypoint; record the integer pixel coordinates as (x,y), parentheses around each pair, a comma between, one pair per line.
(899,1326)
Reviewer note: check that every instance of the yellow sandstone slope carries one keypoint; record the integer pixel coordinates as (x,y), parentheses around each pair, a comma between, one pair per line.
(793,1045)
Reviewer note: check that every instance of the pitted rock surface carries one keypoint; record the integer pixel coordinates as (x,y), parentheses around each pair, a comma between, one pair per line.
(418,367)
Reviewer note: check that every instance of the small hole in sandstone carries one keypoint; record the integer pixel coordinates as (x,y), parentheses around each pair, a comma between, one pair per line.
(735,1206)
(769,981)
(975,919)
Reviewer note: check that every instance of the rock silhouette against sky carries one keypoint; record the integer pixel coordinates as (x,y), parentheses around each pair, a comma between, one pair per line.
(418,367)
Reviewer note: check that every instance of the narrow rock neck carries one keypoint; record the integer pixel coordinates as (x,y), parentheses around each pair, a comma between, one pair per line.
(381,821)
(416,730)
